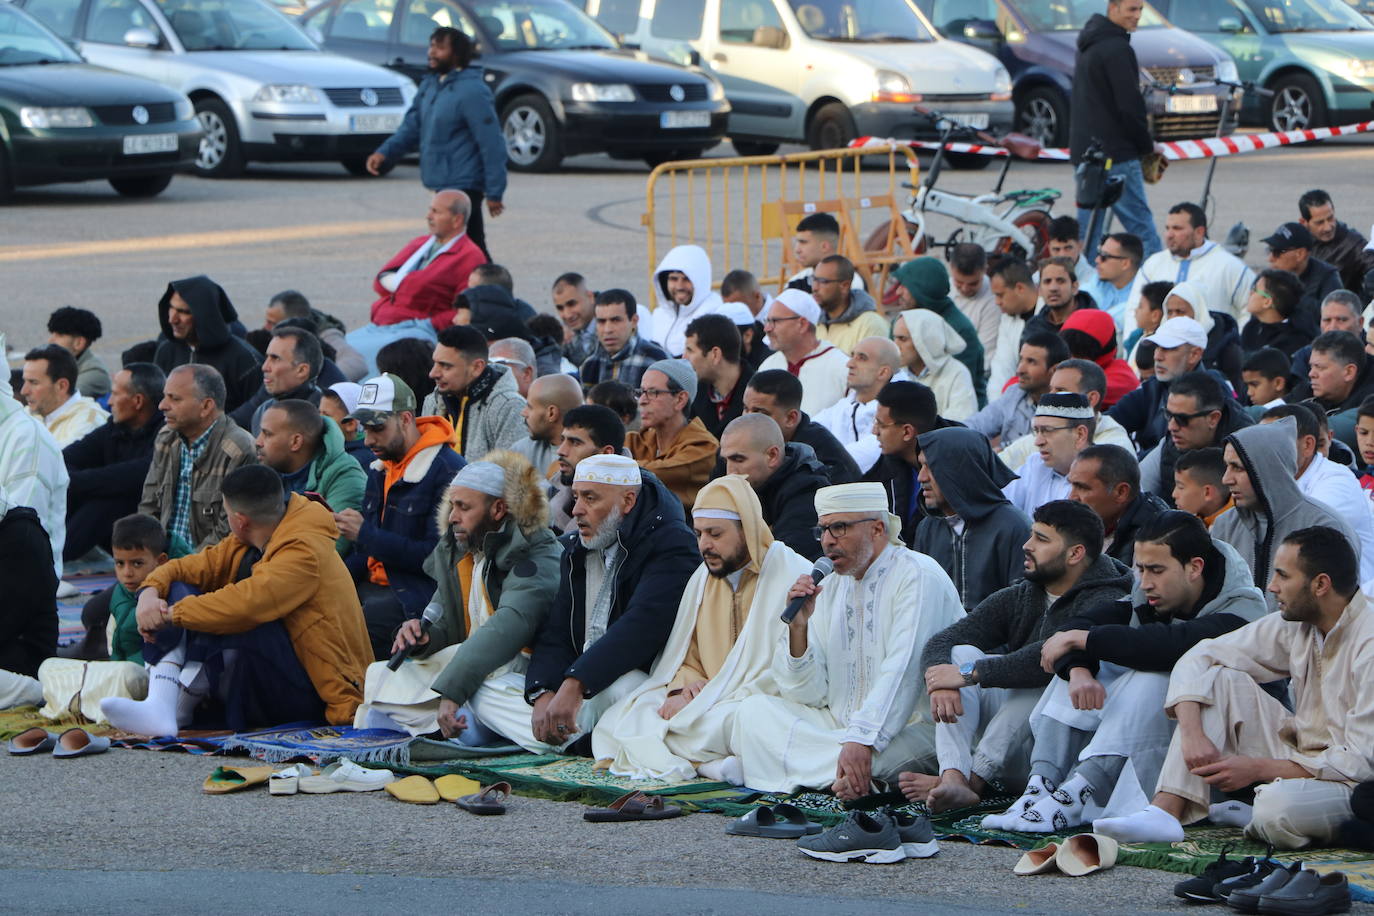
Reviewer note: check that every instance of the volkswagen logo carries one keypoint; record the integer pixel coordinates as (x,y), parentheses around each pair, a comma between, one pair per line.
(140,114)
(677,93)
(1187,77)
(369,97)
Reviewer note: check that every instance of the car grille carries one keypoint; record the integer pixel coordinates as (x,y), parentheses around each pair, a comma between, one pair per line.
(117,115)
(1169,76)
(353,98)
(662,92)
(1185,126)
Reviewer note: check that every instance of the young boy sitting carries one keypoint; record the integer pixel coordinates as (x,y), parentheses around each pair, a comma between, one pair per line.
(1268,378)
(1364,435)
(338,402)
(1197,484)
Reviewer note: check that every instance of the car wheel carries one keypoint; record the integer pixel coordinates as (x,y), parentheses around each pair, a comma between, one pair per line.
(832,127)
(357,165)
(531,134)
(1043,115)
(752,148)
(658,157)
(145,186)
(1297,104)
(221,153)
(6,179)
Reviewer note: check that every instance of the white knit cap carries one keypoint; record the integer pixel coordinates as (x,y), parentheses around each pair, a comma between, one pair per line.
(800,303)
(737,312)
(483,476)
(616,470)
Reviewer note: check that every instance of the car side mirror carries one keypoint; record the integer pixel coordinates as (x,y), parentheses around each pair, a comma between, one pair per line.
(140,37)
(770,36)
(982,30)
(1230,25)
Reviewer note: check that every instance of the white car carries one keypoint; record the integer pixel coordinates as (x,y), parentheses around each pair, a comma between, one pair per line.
(262,88)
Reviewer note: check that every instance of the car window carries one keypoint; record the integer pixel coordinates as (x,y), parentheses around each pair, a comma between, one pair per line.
(620,16)
(24,41)
(424,16)
(1071,15)
(861,20)
(741,20)
(108,20)
(545,25)
(58,15)
(362,20)
(1309,16)
(1206,15)
(232,25)
(680,19)
(950,16)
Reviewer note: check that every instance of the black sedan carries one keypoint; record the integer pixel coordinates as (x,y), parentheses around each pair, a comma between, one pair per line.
(62,119)
(562,84)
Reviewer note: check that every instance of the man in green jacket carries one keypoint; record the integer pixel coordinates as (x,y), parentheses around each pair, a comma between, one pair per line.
(307,449)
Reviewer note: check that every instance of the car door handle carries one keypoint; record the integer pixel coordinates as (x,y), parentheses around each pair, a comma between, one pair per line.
(720,58)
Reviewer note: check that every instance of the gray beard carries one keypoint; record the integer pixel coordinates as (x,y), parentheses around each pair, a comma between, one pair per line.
(606,533)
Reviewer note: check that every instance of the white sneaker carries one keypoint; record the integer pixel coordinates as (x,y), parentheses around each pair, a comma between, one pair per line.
(66,590)
(345,776)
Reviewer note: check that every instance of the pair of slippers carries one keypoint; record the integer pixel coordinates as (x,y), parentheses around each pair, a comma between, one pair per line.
(632,806)
(74,742)
(1081,854)
(466,793)
(779,822)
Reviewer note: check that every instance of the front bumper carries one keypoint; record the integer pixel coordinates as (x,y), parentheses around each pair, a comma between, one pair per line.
(95,153)
(1172,125)
(305,132)
(902,122)
(634,128)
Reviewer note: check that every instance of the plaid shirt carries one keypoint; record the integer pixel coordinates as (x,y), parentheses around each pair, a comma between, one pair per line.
(582,347)
(627,367)
(190,454)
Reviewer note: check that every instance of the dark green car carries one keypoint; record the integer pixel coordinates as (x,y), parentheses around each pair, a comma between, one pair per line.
(62,119)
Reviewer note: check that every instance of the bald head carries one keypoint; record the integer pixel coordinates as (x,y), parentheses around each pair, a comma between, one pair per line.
(752,445)
(550,397)
(874,361)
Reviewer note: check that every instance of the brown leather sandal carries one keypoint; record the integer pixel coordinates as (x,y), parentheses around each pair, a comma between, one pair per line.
(491,800)
(633,806)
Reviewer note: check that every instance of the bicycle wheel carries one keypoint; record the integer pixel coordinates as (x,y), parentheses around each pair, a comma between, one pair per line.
(1038,222)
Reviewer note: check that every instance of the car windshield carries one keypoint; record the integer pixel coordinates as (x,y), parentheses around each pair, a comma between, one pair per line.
(540,25)
(1308,16)
(1070,15)
(232,25)
(861,20)
(23,41)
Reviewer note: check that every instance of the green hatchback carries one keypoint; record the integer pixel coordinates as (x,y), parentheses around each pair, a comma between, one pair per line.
(62,119)
(1317,56)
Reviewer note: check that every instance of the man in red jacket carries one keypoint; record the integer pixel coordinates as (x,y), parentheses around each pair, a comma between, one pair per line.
(418,286)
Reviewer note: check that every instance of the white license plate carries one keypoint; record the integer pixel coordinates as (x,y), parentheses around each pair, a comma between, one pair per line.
(374,123)
(1190,104)
(139,144)
(976,120)
(684,119)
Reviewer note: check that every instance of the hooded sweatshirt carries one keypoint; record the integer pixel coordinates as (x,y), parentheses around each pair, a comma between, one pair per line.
(980,545)
(1223,352)
(937,344)
(1097,324)
(928,282)
(859,320)
(215,345)
(1015,621)
(1107,105)
(337,476)
(1269,453)
(670,320)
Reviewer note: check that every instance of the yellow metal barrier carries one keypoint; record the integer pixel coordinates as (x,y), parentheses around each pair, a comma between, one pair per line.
(744,210)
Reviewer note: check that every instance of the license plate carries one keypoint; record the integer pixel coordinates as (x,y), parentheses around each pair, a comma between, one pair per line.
(684,119)
(976,120)
(374,123)
(140,144)
(1190,104)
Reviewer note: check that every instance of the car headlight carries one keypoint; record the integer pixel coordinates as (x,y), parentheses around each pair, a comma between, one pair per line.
(602,92)
(1358,69)
(1226,70)
(1001,85)
(717,91)
(893,87)
(43,118)
(185,109)
(286,93)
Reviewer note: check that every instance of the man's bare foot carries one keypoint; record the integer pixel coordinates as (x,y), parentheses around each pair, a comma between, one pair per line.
(950,795)
(916,786)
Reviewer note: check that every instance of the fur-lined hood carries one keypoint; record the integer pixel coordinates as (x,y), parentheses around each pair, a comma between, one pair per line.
(525,497)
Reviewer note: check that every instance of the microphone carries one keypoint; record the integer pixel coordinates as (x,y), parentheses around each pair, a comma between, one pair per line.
(431,616)
(822,569)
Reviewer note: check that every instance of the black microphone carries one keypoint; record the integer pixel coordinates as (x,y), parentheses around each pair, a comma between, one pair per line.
(822,569)
(427,619)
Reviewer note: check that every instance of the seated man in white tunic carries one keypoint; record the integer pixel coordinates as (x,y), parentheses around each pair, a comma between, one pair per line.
(678,723)
(850,707)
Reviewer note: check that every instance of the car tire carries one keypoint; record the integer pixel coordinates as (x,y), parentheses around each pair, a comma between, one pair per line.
(832,127)
(531,133)
(1298,104)
(1043,113)
(143,186)
(753,148)
(656,158)
(221,152)
(6,179)
(357,166)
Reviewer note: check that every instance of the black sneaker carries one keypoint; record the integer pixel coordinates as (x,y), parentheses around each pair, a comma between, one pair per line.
(1309,894)
(1262,869)
(1247,899)
(1201,888)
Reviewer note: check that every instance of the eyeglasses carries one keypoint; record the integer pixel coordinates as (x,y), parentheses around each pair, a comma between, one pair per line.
(816,279)
(1046,430)
(1183,419)
(1264,294)
(642,393)
(1103,256)
(769,322)
(878,424)
(836,530)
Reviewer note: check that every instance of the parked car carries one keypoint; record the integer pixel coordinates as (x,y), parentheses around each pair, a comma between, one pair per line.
(1037,40)
(262,89)
(1316,55)
(562,83)
(62,119)
(822,72)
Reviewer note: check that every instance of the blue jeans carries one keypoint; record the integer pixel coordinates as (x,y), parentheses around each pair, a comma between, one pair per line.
(1133,209)
(370,338)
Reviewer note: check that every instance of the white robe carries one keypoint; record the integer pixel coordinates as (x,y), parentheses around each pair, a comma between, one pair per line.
(858,681)
(643,745)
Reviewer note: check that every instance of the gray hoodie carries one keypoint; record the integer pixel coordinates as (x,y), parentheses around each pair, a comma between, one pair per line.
(987,554)
(1269,453)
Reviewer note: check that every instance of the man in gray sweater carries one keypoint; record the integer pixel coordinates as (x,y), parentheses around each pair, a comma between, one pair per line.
(981,702)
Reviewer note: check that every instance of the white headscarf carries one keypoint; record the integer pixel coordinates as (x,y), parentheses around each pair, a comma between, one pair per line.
(1194,295)
(859,497)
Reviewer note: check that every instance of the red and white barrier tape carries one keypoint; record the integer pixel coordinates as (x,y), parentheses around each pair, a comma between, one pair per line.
(1201,148)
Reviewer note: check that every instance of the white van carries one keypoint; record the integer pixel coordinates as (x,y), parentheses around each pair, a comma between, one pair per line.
(820,72)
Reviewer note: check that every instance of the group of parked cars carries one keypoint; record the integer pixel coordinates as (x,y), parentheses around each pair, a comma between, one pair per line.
(209,85)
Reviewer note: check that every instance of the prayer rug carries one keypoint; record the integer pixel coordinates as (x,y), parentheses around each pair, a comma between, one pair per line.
(188,741)
(22,718)
(323,744)
(69,628)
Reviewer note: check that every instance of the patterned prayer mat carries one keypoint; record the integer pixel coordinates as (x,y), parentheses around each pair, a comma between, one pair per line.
(322,744)
(69,628)
(22,718)
(189,741)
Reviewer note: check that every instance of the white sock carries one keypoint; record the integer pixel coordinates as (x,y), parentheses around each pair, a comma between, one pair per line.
(1231,814)
(726,769)
(1152,825)
(1037,787)
(167,709)
(1058,811)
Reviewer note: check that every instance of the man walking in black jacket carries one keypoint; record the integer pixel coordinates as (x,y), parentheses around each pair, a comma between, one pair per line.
(1108,107)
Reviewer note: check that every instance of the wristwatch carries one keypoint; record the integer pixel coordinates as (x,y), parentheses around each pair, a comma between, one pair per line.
(966,669)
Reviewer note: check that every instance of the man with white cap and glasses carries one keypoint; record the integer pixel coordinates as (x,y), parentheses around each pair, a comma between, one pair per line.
(671,442)
(620,579)
(846,712)
(1063,427)
(791,326)
(1179,345)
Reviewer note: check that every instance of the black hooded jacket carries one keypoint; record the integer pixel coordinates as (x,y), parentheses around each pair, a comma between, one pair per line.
(215,345)
(1107,103)
(789,499)
(988,553)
